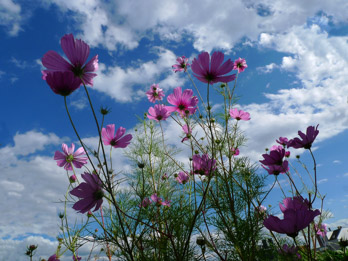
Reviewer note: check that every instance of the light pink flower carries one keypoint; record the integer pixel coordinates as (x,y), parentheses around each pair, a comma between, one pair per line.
(212,71)
(116,141)
(240,65)
(69,157)
(182,64)
(187,131)
(182,177)
(321,230)
(184,102)
(239,115)
(158,113)
(77,52)
(155,93)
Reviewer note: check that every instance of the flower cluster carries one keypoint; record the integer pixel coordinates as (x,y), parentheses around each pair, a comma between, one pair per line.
(274,162)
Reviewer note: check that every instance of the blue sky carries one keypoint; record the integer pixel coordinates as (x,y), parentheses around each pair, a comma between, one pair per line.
(297,56)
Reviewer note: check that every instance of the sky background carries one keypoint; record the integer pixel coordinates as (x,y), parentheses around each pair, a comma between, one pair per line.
(297,76)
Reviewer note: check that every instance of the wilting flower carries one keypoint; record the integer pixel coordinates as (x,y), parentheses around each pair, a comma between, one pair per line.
(90,192)
(116,141)
(203,165)
(182,64)
(212,71)
(53,258)
(282,141)
(239,115)
(159,201)
(182,177)
(155,93)
(297,216)
(187,131)
(69,157)
(240,65)
(145,203)
(63,83)
(235,151)
(307,139)
(158,113)
(77,52)
(184,102)
(321,230)
(290,251)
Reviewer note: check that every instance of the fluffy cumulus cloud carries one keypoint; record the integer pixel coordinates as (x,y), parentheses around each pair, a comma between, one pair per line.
(10,16)
(209,25)
(320,97)
(129,84)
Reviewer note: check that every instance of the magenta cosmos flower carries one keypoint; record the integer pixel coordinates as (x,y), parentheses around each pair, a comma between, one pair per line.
(63,83)
(69,157)
(239,115)
(274,161)
(240,65)
(203,165)
(116,141)
(307,139)
(158,113)
(155,93)
(282,141)
(53,258)
(182,64)
(159,201)
(77,52)
(235,151)
(289,252)
(77,258)
(145,203)
(212,71)
(184,102)
(297,216)
(182,177)
(90,193)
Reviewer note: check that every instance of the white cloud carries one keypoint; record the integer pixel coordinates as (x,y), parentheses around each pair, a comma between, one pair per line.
(322,181)
(336,162)
(267,68)
(129,84)
(10,16)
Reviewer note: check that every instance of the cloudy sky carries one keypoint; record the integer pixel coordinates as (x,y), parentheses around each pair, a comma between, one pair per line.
(297,76)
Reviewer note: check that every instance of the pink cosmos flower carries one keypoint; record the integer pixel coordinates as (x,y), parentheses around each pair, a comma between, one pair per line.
(240,65)
(77,52)
(282,141)
(239,115)
(159,201)
(184,102)
(155,93)
(63,83)
(203,165)
(187,131)
(182,177)
(53,258)
(116,141)
(69,157)
(307,139)
(158,113)
(321,230)
(235,151)
(212,71)
(182,64)
(297,216)
(287,154)
(145,203)
(90,193)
